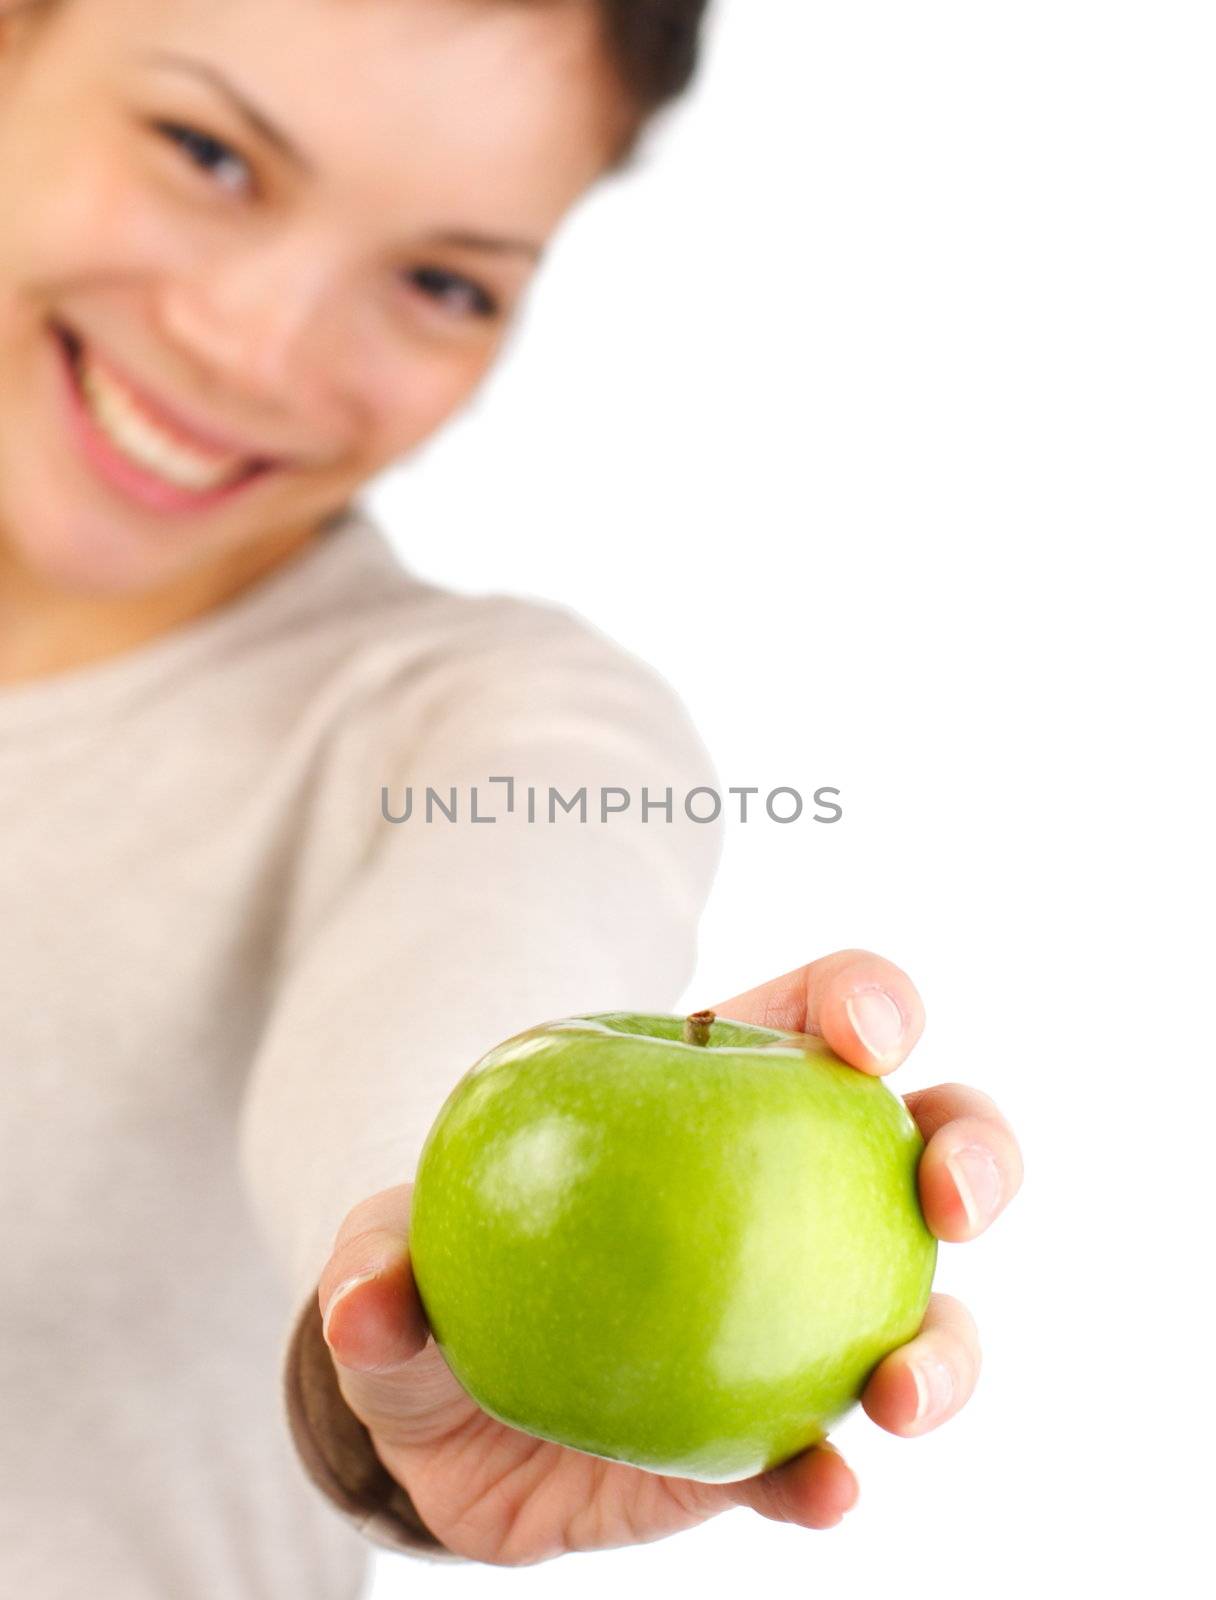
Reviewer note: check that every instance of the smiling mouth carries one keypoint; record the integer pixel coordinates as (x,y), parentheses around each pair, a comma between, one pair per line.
(138,432)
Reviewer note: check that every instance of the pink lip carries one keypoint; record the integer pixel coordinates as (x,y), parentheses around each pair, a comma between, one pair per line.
(144,488)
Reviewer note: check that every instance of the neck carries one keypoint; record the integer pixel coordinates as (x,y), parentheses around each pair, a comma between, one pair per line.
(45,629)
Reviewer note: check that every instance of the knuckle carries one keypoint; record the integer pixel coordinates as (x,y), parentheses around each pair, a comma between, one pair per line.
(966,1093)
(855,953)
(374,1247)
(971,1114)
(848,963)
(947,1311)
(374,1214)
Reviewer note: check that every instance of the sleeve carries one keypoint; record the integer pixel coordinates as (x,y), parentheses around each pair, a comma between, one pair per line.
(454,934)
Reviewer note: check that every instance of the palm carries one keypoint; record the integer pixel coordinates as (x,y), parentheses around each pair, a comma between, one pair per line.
(497,1495)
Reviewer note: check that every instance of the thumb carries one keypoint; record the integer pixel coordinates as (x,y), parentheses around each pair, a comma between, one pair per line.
(371,1314)
(390,1371)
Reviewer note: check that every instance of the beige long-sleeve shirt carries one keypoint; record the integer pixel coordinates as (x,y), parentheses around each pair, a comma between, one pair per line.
(233,997)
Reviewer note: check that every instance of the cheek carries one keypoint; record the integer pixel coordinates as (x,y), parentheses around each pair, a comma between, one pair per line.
(411,390)
(84,215)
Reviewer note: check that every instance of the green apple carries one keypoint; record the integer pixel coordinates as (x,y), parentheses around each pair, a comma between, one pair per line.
(681,1243)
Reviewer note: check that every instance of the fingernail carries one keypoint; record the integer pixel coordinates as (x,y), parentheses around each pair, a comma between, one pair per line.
(934,1386)
(978,1181)
(877,1021)
(340,1293)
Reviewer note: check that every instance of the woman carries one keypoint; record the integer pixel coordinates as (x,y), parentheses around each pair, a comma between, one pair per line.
(255,250)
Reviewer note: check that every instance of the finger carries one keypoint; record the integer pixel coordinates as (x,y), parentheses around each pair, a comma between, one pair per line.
(865,1008)
(813,1490)
(372,1317)
(971,1166)
(924,1382)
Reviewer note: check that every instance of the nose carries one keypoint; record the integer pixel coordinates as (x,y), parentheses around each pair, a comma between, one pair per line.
(256,319)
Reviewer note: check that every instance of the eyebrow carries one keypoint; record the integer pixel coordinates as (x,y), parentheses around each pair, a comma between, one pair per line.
(243,107)
(456,238)
(460,240)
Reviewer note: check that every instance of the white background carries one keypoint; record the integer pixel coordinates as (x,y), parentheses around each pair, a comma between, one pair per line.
(875,410)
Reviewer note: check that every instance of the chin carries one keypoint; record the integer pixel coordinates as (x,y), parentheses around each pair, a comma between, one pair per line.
(78,549)
(75,554)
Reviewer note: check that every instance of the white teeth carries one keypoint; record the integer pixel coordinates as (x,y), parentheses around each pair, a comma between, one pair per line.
(148,446)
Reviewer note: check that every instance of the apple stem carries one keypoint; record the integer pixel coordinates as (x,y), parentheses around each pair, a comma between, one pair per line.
(696,1027)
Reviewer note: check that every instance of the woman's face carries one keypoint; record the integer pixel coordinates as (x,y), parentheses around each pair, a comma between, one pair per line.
(255,250)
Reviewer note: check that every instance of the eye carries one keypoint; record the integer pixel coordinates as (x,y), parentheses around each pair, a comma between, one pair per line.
(454,293)
(212,156)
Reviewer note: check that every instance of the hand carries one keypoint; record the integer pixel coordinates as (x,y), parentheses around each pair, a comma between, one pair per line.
(500,1496)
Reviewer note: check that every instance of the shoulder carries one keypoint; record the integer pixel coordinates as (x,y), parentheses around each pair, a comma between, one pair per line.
(412,686)
(430,662)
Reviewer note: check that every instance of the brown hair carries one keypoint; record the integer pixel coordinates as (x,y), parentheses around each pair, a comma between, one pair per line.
(653,47)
